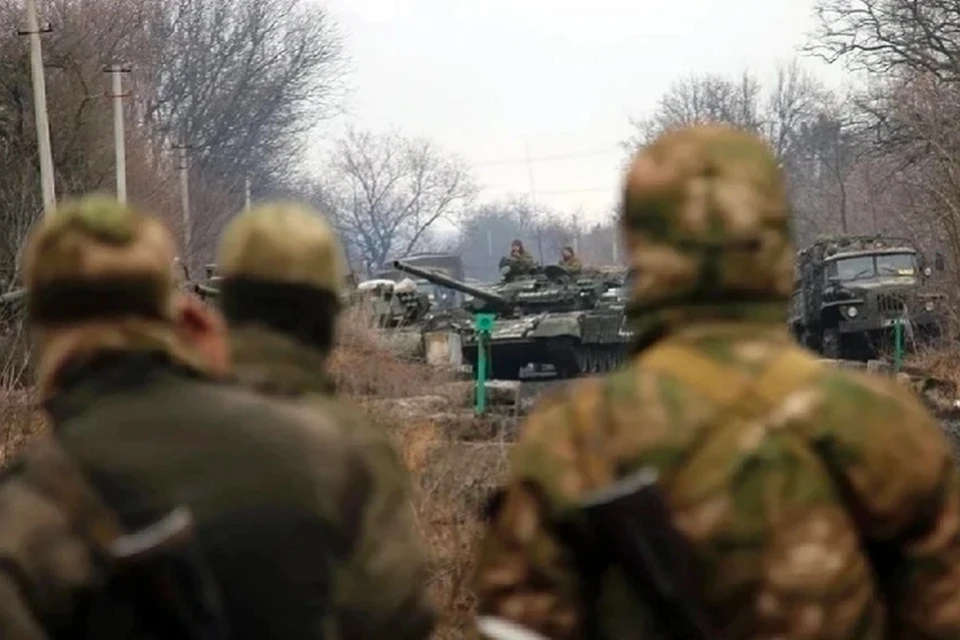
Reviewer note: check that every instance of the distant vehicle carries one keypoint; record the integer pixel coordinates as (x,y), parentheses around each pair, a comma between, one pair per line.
(849,291)
(445,264)
(575,325)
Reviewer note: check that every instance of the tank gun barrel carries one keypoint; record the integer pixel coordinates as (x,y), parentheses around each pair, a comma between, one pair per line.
(450,283)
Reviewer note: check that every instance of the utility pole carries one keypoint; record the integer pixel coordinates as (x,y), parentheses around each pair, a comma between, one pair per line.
(40,107)
(533,189)
(533,200)
(184,168)
(119,141)
(246,193)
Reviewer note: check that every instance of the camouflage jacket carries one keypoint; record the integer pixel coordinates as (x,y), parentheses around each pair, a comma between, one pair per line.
(786,477)
(277,512)
(383,590)
(521,261)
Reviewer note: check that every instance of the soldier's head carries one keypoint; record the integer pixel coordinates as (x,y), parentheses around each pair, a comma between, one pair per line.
(101,269)
(516,247)
(567,252)
(706,223)
(283,269)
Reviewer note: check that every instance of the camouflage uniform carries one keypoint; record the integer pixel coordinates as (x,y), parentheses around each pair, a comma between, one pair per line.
(277,511)
(519,260)
(282,273)
(781,473)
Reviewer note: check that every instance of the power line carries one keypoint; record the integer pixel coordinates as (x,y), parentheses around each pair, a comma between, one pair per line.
(562,156)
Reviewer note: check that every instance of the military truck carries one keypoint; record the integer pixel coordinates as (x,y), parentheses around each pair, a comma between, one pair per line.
(850,292)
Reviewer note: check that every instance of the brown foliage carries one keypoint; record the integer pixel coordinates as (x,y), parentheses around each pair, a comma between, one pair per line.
(450,478)
(364,366)
(20,421)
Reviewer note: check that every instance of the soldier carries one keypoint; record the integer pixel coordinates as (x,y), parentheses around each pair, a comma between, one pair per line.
(816,503)
(519,260)
(570,261)
(278,497)
(281,296)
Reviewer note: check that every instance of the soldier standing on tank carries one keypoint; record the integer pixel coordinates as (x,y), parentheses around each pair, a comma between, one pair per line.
(817,503)
(126,367)
(570,261)
(283,273)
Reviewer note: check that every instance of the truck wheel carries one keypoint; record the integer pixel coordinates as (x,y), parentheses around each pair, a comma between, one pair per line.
(831,344)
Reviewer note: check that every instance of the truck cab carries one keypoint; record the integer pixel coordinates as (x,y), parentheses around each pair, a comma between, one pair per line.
(851,291)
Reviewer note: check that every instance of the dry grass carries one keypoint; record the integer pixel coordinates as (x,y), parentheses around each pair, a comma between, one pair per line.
(941,363)
(364,365)
(21,420)
(451,478)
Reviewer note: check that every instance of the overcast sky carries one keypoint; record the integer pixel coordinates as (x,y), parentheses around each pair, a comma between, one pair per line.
(494,80)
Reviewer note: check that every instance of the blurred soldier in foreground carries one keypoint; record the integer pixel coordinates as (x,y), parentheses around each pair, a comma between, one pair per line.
(283,274)
(780,498)
(131,402)
(570,261)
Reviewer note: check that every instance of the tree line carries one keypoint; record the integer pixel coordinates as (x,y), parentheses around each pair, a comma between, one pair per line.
(246,84)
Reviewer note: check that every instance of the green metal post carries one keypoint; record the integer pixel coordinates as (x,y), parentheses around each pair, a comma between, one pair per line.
(484,325)
(897,345)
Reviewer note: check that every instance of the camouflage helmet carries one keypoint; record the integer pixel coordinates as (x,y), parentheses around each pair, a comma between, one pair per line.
(705,219)
(283,243)
(96,257)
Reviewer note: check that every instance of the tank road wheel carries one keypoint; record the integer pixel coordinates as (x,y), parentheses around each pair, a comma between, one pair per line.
(611,358)
(593,356)
(582,357)
(830,344)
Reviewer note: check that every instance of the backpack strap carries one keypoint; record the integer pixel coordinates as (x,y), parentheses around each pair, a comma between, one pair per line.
(786,372)
(740,398)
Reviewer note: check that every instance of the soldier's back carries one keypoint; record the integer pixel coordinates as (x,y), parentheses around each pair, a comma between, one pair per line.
(276,511)
(386,574)
(777,470)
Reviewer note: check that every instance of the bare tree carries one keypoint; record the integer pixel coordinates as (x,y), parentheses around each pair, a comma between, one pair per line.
(386,192)
(912,51)
(804,122)
(87,35)
(703,98)
(242,82)
(891,37)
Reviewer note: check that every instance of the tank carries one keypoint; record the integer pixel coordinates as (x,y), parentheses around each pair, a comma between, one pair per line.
(547,318)
(392,310)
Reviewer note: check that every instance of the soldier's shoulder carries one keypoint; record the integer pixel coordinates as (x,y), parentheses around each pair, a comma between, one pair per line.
(290,421)
(869,394)
(874,415)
